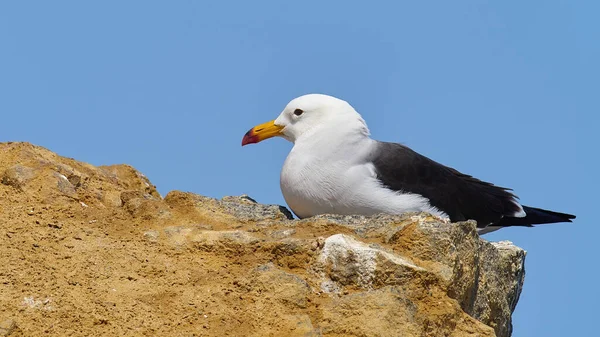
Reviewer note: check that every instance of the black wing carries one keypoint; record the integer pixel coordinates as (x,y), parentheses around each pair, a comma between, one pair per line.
(460,196)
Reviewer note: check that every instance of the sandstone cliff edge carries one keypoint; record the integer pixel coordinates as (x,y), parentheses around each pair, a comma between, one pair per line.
(97,251)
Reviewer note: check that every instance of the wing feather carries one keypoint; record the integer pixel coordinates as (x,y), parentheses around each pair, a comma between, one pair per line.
(459,195)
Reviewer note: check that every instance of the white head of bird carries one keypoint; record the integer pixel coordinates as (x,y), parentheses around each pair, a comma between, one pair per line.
(309,114)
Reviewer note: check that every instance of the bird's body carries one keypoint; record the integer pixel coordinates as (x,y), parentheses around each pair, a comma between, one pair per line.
(330,182)
(336,168)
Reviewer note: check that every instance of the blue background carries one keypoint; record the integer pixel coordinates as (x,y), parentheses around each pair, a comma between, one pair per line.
(506,91)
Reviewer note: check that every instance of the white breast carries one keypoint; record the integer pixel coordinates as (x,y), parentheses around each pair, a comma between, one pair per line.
(315,183)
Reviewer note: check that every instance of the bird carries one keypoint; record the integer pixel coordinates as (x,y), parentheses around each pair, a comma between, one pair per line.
(335,167)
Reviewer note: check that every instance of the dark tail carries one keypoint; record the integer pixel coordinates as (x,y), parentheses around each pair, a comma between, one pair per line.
(536,216)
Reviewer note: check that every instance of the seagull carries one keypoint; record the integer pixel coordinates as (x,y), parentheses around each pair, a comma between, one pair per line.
(335,167)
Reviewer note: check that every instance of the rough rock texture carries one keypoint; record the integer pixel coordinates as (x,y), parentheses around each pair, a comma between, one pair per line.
(96,251)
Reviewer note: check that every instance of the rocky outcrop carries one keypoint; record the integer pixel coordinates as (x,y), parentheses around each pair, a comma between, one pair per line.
(93,251)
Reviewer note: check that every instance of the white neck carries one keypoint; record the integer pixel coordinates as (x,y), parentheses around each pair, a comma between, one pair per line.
(341,142)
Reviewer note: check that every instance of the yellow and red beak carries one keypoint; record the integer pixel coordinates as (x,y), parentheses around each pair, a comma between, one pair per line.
(261,132)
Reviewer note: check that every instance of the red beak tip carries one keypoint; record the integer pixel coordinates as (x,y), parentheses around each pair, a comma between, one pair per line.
(249,138)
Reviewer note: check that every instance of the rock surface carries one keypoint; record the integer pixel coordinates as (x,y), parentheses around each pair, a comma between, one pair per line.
(96,251)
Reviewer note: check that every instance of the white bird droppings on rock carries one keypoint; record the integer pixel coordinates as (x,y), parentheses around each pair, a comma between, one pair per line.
(31,302)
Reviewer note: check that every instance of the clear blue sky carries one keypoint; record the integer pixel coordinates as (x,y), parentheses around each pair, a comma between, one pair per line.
(507,91)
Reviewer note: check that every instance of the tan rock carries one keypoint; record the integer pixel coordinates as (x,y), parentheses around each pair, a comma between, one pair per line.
(17,176)
(98,251)
(7,327)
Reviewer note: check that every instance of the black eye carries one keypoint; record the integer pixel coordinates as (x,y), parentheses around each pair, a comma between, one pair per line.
(298,112)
